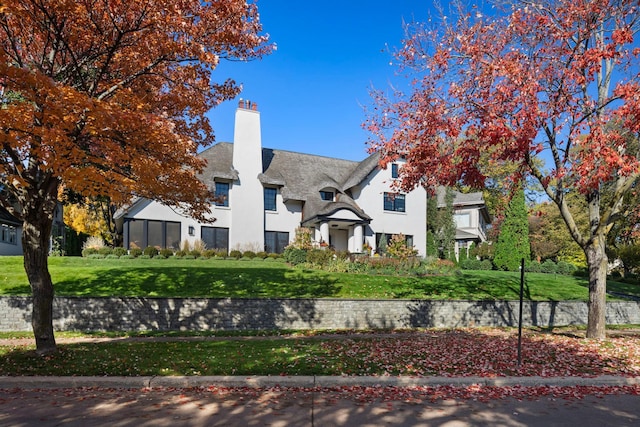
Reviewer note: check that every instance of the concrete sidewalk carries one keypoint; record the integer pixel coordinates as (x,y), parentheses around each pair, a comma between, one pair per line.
(27,382)
(128,402)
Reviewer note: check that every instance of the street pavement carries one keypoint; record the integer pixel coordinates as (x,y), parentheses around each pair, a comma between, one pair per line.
(302,401)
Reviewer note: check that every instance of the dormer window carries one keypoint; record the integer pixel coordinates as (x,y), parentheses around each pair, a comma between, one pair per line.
(327,195)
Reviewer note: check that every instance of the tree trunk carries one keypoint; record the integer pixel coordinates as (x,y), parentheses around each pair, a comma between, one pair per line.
(35,242)
(597,262)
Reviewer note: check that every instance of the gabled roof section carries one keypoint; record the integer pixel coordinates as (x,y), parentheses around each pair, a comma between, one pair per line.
(315,208)
(219,163)
(363,169)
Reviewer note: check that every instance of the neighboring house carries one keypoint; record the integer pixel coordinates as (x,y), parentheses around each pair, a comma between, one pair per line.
(471,217)
(265,194)
(11,232)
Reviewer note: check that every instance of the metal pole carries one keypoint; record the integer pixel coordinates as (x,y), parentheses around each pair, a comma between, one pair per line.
(520,315)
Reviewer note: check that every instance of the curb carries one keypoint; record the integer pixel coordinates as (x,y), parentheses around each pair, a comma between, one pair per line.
(8,382)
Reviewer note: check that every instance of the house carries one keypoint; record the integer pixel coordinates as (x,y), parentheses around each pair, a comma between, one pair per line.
(471,217)
(11,232)
(266,193)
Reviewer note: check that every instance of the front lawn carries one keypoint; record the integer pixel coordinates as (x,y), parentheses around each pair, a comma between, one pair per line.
(214,278)
(486,352)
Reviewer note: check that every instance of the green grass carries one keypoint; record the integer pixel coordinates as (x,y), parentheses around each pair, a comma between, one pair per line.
(75,276)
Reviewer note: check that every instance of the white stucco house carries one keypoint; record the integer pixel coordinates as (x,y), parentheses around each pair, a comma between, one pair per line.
(267,193)
(11,232)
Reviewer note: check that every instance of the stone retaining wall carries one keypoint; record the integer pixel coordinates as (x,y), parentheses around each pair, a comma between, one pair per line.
(122,314)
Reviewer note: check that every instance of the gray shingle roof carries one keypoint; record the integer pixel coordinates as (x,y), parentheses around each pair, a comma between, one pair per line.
(300,176)
(7,218)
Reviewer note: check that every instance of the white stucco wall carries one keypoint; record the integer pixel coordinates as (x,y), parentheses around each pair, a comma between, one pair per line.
(286,217)
(370,197)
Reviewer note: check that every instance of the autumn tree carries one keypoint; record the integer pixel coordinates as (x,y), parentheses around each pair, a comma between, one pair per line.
(536,80)
(108,98)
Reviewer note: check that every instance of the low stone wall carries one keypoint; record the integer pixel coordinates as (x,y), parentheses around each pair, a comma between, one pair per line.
(122,314)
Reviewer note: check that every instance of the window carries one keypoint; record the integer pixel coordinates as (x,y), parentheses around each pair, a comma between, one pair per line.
(216,237)
(462,220)
(394,202)
(270,199)
(275,241)
(140,233)
(222,194)
(327,195)
(394,170)
(136,234)
(8,234)
(154,234)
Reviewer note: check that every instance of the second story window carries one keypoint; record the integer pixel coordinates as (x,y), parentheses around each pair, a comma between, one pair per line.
(394,170)
(394,202)
(326,195)
(222,194)
(270,199)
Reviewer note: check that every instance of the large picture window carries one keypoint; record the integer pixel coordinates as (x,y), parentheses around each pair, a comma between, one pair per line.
(275,241)
(215,238)
(394,202)
(222,194)
(140,233)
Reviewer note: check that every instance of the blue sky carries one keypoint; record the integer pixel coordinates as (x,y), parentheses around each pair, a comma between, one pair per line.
(310,91)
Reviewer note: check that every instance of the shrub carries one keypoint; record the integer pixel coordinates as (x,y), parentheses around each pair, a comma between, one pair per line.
(105,250)
(96,256)
(302,239)
(119,251)
(294,255)
(126,256)
(166,253)
(486,265)
(235,254)
(135,252)
(261,255)
(566,268)
(150,251)
(319,257)
(93,242)
(179,254)
(274,255)
(533,267)
(441,267)
(195,253)
(199,245)
(398,248)
(87,252)
(221,253)
(548,267)
(209,253)
(112,256)
(144,256)
(248,254)
(470,264)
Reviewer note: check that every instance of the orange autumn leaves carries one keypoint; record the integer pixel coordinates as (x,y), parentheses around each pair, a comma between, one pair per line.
(110,97)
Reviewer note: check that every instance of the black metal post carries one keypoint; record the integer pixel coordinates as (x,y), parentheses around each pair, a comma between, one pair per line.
(520,315)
